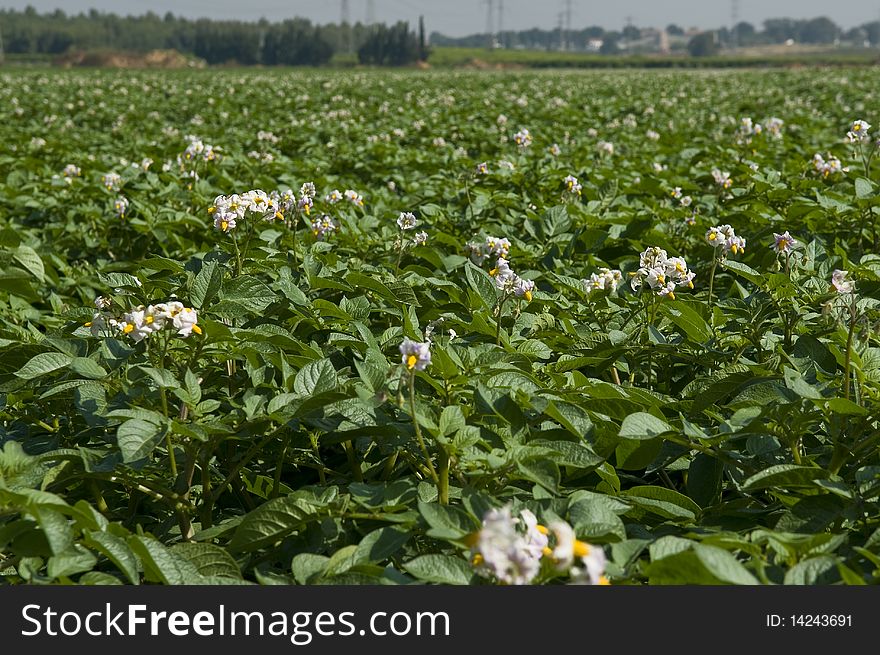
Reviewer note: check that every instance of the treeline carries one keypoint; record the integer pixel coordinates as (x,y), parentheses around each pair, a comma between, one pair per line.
(291,42)
(820,30)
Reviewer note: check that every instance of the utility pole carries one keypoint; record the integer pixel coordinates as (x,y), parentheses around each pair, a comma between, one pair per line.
(371,12)
(2,52)
(490,23)
(345,24)
(501,21)
(734,21)
(562,31)
(568,25)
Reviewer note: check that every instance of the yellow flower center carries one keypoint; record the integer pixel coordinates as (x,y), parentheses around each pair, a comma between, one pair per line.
(528,296)
(224,225)
(411,361)
(581,549)
(128,329)
(197,329)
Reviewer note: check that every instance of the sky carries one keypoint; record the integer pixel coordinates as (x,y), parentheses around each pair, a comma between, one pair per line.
(461,17)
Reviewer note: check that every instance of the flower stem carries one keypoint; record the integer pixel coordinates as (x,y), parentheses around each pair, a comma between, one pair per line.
(443,481)
(418,429)
(847,363)
(712,287)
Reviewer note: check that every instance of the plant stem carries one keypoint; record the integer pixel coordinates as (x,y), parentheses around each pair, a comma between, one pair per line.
(418,429)
(712,287)
(443,481)
(498,320)
(847,363)
(353,463)
(279,467)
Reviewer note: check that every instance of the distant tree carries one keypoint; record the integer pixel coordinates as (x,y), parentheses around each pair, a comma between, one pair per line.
(610,44)
(631,33)
(873,32)
(744,33)
(423,44)
(674,30)
(703,45)
(390,46)
(818,30)
(779,30)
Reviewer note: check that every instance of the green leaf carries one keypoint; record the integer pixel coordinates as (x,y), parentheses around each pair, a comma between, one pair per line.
(117,551)
(447,522)
(663,502)
(381,544)
(704,479)
(274,520)
(71,562)
(687,318)
(482,283)
(786,476)
(161,565)
(206,285)
(744,271)
(314,378)
(244,294)
(31,261)
(137,439)
(642,425)
(440,569)
(87,368)
(864,188)
(700,564)
(208,559)
(42,364)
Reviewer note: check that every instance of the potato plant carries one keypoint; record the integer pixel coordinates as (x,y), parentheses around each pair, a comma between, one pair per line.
(456,328)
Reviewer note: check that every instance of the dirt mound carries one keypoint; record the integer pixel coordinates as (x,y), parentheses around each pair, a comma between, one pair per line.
(169,59)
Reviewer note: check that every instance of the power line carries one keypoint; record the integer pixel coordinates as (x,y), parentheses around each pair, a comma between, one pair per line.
(490,23)
(371,12)
(345,24)
(567,24)
(501,20)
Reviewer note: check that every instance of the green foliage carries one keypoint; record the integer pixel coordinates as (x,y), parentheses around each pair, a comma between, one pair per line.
(723,437)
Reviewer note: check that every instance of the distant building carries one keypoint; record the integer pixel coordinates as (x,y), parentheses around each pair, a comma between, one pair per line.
(595,45)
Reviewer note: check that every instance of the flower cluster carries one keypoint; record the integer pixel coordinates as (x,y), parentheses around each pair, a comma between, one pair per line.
(197,150)
(827,167)
(724,237)
(333,197)
(663,274)
(606,278)
(71,171)
(140,322)
(354,198)
(229,210)
(722,178)
(322,226)
(491,248)
(522,138)
(572,185)
(747,130)
(415,355)
(307,193)
(605,147)
(510,283)
(858,132)
(120,206)
(510,549)
(839,282)
(774,127)
(111,181)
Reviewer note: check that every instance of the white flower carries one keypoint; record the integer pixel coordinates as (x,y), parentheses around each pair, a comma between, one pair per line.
(492,247)
(676,193)
(407,221)
(420,238)
(120,206)
(572,185)
(415,355)
(663,274)
(858,131)
(555,150)
(185,320)
(322,226)
(840,283)
(111,181)
(354,198)
(333,197)
(686,201)
(522,138)
(606,278)
(605,147)
(725,237)
(783,243)
(504,552)
(482,168)
(225,221)
(722,178)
